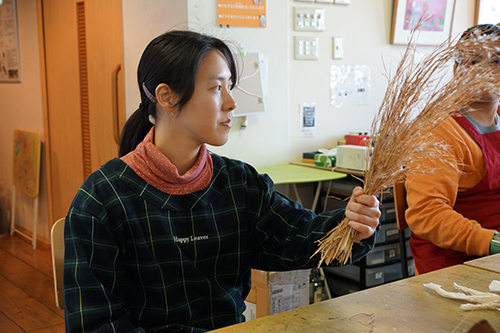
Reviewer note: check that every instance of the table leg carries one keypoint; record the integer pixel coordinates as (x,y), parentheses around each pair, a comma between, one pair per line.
(316,197)
(296,190)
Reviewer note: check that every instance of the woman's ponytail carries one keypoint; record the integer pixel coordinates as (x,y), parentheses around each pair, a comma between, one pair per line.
(135,129)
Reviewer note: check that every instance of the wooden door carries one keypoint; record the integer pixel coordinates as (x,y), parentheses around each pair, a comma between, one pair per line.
(83,59)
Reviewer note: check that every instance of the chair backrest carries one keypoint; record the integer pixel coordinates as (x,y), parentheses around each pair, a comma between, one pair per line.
(399,193)
(400,204)
(57,247)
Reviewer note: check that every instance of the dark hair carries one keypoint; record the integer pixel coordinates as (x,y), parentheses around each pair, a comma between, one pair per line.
(468,40)
(172,58)
(479,30)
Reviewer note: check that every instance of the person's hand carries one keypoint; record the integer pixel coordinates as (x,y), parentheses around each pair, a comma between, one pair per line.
(363,212)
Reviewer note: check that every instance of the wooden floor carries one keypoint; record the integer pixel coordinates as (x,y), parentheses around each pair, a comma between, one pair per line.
(27,301)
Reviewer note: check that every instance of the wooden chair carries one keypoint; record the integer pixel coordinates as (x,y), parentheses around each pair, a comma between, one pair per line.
(57,246)
(401,205)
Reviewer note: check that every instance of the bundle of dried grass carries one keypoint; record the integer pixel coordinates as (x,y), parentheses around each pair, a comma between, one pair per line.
(415,102)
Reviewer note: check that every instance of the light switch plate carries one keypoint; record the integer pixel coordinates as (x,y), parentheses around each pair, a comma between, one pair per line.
(308,19)
(325,1)
(338,47)
(342,2)
(306,48)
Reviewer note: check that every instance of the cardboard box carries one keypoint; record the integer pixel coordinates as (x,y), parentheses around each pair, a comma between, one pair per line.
(274,292)
(351,157)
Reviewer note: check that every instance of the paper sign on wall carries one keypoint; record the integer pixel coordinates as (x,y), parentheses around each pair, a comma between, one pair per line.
(241,13)
(9,44)
(307,119)
(350,85)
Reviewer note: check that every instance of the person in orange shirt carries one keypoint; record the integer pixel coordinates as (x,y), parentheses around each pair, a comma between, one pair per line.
(453,210)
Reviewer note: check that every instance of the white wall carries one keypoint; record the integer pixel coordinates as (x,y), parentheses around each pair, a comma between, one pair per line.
(365,26)
(142,21)
(273,137)
(266,139)
(21,107)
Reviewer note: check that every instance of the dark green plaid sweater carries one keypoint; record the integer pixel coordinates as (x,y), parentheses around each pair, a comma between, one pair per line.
(138,259)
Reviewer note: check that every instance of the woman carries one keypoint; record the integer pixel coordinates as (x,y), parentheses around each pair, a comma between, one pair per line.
(164,238)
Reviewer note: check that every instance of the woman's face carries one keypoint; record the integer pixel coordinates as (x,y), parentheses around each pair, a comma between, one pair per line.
(206,117)
(484,57)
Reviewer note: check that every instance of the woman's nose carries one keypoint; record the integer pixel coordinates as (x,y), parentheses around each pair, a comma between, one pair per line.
(229,102)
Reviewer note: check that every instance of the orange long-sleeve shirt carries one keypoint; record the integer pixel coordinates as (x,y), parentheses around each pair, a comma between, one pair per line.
(431,194)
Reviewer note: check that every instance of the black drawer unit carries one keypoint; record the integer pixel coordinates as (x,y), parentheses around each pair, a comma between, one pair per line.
(383,263)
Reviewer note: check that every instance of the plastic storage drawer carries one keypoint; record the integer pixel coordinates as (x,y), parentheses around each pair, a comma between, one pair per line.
(389,233)
(374,276)
(384,254)
(388,212)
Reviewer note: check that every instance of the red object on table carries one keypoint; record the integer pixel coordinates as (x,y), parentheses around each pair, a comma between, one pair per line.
(357,139)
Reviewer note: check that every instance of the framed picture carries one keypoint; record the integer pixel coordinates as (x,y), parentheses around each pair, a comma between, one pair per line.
(9,43)
(487,11)
(436,27)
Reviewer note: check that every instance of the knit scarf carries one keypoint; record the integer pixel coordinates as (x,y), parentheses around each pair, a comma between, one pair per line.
(150,164)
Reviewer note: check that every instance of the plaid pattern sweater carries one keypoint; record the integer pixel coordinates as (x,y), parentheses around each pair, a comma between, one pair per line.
(141,260)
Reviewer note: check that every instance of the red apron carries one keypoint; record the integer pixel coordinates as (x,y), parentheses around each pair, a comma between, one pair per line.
(480,203)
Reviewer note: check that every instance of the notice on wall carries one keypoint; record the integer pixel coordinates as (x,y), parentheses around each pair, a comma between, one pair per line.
(307,119)
(9,46)
(241,13)
(350,85)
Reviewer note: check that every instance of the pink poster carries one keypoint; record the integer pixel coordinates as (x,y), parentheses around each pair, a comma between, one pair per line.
(432,11)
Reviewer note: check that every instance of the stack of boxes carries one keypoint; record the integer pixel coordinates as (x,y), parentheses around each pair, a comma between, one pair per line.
(329,157)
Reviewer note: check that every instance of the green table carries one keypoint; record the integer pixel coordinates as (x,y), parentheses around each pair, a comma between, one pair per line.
(296,174)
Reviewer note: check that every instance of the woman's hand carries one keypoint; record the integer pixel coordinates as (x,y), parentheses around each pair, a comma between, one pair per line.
(363,212)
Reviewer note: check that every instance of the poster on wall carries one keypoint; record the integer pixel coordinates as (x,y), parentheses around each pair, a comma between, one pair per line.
(350,85)
(9,45)
(307,119)
(434,18)
(241,13)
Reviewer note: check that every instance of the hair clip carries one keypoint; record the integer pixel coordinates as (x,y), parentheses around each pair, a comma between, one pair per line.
(148,94)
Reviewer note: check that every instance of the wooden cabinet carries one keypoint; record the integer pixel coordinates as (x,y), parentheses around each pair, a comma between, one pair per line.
(84,92)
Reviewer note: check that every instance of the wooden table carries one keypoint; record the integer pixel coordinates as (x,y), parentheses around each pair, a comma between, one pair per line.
(491,263)
(296,174)
(401,306)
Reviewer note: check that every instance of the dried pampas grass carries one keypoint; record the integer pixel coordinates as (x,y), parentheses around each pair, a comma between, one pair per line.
(416,101)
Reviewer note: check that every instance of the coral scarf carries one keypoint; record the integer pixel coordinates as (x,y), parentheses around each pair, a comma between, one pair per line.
(157,170)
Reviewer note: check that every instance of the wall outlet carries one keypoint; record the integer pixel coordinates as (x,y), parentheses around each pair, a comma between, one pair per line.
(306,48)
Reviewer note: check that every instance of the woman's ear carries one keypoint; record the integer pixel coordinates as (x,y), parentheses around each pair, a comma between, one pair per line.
(166,97)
